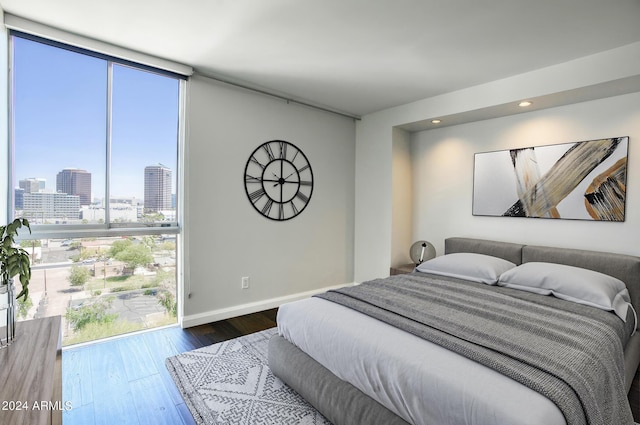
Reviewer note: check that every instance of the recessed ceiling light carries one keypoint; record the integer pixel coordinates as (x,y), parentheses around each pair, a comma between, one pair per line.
(435,121)
(525,103)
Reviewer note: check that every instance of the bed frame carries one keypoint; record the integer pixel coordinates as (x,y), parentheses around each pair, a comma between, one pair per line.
(342,403)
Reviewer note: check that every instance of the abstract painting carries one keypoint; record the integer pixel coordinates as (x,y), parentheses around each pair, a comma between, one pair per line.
(580,181)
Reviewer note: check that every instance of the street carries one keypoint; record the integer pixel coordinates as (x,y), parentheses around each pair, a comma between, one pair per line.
(51,292)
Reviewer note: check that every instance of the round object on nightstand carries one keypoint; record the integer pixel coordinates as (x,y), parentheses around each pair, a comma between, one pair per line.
(422,251)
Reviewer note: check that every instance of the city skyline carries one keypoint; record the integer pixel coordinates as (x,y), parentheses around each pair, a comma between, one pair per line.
(39,184)
(69,202)
(60,119)
(43,186)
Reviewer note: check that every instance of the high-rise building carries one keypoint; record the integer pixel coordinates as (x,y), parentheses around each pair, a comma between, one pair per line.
(41,206)
(32,185)
(74,181)
(157,188)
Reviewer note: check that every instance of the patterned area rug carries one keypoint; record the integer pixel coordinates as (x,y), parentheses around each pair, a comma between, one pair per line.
(230,383)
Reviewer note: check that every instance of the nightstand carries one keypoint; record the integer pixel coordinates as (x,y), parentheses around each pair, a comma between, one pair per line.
(402,269)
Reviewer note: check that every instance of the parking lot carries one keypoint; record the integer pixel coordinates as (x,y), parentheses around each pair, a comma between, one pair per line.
(52,293)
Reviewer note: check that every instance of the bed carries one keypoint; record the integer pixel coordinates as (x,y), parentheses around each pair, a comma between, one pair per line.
(359,369)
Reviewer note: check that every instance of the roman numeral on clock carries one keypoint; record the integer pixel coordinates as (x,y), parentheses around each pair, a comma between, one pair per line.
(283,149)
(269,151)
(304,198)
(255,161)
(294,208)
(256,195)
(266,209)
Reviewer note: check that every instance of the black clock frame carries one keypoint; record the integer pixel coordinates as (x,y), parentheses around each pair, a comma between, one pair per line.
(278,175)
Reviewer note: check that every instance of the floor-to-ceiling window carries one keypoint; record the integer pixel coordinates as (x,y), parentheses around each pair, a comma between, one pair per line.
(95,169)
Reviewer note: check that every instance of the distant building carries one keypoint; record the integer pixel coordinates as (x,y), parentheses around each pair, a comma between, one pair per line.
(118,213)
(18,198)
(157,188)
(42,206)
(169,215)
(32,185)
(126,200)
(74,181)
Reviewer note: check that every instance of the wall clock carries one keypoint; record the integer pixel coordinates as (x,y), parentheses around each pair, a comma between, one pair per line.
(278,180)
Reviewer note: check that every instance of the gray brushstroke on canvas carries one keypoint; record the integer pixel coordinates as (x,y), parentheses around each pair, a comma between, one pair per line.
(564,176)
(527,172)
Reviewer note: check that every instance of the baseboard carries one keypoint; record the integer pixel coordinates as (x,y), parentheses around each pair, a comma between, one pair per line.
(239,310)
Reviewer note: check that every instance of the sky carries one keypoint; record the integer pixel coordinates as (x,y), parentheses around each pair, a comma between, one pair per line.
(60,110)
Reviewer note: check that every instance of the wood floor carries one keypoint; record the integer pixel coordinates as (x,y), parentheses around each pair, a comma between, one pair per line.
(125,381)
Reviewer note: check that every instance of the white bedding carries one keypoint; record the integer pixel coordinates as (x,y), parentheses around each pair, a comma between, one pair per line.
(421,382)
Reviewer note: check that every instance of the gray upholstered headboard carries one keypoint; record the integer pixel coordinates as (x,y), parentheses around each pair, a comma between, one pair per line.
(623,267)
(509,251)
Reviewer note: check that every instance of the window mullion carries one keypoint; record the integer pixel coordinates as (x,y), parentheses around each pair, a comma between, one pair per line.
(125,125)
(107,191)
(11,180)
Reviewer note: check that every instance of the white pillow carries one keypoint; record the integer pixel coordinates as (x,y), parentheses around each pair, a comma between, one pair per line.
(465,265)
(570,283)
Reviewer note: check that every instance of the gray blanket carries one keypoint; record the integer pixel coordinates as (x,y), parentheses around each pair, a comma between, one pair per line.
(570,353)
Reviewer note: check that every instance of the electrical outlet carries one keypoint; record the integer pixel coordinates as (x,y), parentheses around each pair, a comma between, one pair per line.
(245,283)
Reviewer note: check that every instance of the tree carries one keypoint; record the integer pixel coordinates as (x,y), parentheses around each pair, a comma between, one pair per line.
(118,246)
(168,301)
(30,243)
(149,241)
(152,217)
(135,255)
(167,246)
(78,276)
(95,312)
(24,305)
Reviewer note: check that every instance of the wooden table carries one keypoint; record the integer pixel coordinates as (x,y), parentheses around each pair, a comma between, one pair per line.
(402,269)
(31,374)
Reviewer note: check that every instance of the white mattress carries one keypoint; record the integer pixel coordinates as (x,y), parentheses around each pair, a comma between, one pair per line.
(421,382)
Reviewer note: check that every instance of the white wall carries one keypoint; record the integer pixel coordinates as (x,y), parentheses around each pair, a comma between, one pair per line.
(225,238)
(590,77)
(402,187)
(442,163)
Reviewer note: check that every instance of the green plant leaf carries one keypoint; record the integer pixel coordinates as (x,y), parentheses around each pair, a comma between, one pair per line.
(14,260)
(23,294)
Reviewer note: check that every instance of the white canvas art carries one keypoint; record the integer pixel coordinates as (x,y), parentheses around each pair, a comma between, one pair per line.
(580,181)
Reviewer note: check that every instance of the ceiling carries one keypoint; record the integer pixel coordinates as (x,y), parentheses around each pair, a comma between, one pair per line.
(353,56)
